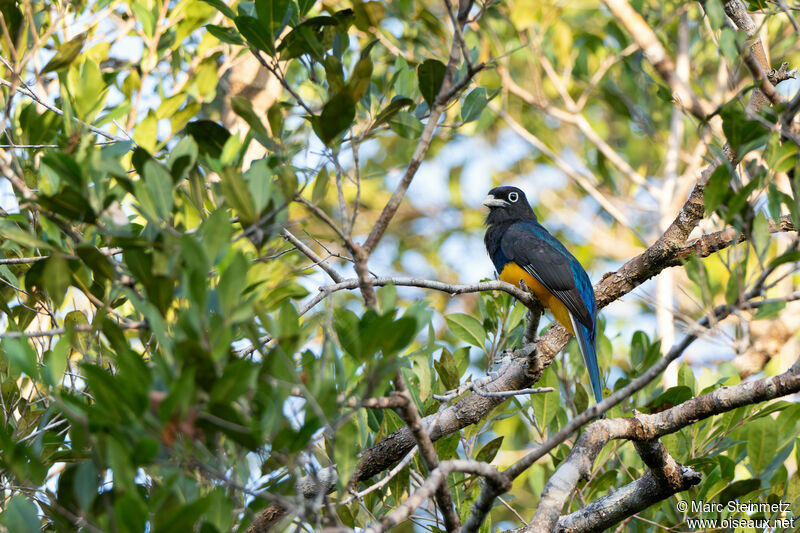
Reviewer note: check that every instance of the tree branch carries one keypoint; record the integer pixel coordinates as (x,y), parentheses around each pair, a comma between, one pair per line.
(427,489)
(308,252)
(408,411)
(448,89)
(658,57)
(623,503)
(646,428)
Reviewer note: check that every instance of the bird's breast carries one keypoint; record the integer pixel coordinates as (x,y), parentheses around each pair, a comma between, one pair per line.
(513,273)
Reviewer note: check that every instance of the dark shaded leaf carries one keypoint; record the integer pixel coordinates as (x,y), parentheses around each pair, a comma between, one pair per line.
(430,75)
(473,104)
(743,134)
(252,30)
(489,450)
(670,398)
(210,136)
(336,117)
(226,35)
(738,488)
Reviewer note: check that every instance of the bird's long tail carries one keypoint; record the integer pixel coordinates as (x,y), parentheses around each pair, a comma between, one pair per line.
(587,346)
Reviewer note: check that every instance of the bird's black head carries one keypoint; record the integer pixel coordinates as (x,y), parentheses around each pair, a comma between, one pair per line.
(507,204)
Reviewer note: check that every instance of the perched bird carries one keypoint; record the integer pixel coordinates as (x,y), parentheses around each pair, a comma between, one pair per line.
(522,250)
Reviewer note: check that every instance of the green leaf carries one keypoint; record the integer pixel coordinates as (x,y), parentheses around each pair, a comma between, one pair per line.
(56,278)
(406,125)
(244,108)
(232,282)
(20,356)
(237,378)
(362,73)
(226,35)
(337,116)
(368,15)
(397,103)
(320,185)
(146,17)
(11,232)
(717,189)
(686,377)
(728,44)
(467,328)
(222,7)
(85,484)
(670,398)
(66,54)
(345,324)
(489,451)
(20,516)
(345,451)
(68,203)
(79,340)
(334,74)
(130,513)
(447,447)
(789,256)
(262,187)
(56,362)
(251,29)
(182,158)
(734,287)
(581,398)
(210,136)
(88,89)
(430,75)
(743,134)
(769,310)
(447,369)
(760,234)
(399,335)
(281,293)
(273,15)
(739,488)
(307,38)
(158,185)
(237,195)
(13,19)
(473,104)
(762,442)
(305,6)
(545,405)
(101,267)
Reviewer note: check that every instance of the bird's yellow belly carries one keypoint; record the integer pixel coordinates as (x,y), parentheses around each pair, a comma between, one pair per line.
(512,274)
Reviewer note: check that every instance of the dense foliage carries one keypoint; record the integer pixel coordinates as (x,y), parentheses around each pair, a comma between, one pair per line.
(162,366)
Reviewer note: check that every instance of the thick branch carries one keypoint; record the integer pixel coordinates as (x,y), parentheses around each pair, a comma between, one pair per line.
(647,428)
(623,502)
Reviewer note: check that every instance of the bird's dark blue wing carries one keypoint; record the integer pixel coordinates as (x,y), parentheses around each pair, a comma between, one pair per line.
(532,247)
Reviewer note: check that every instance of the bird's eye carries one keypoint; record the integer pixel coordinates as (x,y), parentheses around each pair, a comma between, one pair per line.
(513,197)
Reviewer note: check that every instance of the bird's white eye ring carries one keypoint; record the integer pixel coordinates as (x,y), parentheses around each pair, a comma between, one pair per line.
(512,196)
